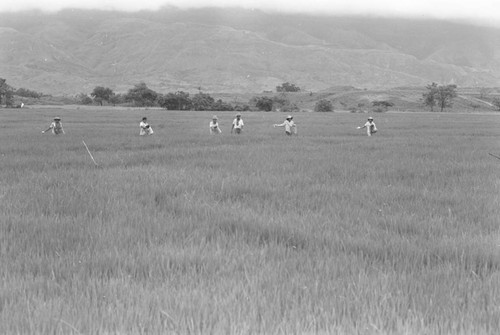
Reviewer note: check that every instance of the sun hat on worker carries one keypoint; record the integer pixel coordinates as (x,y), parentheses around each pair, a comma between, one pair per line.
(214,117)
(57,118)
(370,118)
(239,114)
(289,117)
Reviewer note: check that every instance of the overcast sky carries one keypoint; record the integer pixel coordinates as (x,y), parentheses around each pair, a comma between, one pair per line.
(481,11)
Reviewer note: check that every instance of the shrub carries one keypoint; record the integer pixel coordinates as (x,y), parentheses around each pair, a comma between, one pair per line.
(381,106)
(323,106)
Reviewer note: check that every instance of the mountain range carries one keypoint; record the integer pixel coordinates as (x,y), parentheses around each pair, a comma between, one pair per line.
(238,50)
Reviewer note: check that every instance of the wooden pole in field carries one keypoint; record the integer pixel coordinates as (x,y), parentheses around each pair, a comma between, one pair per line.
(86,147)
(493,155)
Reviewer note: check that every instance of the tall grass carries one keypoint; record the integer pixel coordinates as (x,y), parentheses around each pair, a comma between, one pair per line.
(329,232)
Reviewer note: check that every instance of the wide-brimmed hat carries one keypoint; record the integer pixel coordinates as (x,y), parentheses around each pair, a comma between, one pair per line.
(239,114)
(57,118)
(370,118)
(214,117)
(289,117)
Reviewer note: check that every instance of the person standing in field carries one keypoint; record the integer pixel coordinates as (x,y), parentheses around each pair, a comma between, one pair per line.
(214,126)
(145,127)
(288,124)
(370,126)
(237,125)
(56,126)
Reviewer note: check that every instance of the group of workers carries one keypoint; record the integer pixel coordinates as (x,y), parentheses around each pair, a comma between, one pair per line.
(236,126)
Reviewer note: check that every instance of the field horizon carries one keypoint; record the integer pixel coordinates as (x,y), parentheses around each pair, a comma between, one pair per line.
(327,232)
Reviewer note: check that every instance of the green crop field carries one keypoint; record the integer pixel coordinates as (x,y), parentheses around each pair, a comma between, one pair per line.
(327,232)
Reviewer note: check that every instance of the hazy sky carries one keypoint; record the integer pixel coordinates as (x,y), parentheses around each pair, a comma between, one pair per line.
(485,11)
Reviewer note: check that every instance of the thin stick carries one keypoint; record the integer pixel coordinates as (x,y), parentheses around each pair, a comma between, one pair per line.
(89,153)
(67,324)
(30,321)
(171,319)
(493,155)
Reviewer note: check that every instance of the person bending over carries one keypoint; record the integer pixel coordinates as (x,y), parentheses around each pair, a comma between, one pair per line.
(56,127)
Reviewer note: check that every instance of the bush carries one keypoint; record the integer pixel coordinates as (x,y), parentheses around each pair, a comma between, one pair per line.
(287,87)
(263,103)
(323,106)
(84,99)
(381,106)
(496,103)
(242,108)
(23,92)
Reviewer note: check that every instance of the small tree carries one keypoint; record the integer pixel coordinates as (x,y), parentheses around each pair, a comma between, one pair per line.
(430,96)
(282,103)
(323,105)
(287,87)
(83,99)
(175,101)
(117,99)
(101,94)
(445,96)
(202,102)
(220,105)
(24,92)
(141,95)
(381,106)
(6,93)
(263,103)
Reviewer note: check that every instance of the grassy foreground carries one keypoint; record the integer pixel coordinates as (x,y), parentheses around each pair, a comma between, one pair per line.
(329,232)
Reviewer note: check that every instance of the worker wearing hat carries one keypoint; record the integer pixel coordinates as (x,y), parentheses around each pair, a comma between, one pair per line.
(370,126)
(237,125)
(214,126)
(145,127)
(55,126)
(288,124)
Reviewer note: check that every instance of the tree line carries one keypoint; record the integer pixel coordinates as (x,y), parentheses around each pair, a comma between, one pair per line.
(440,96)
(7,93)
(142,96)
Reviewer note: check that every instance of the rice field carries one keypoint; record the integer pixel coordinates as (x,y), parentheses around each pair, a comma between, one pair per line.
(328,232)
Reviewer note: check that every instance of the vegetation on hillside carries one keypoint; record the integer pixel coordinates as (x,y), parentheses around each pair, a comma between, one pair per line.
(287,87)
(341,98)
(323,105)
(240,51)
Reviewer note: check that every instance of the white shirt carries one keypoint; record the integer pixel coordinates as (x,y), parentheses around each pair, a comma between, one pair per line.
(57,128)
(288,125)
(145,130)
(371,126)
(214,127)
(238,124)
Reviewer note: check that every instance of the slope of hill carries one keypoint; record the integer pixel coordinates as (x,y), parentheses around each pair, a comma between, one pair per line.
(235,50)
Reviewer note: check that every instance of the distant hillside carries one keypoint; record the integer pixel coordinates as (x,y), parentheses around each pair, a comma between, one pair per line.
(234,50)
